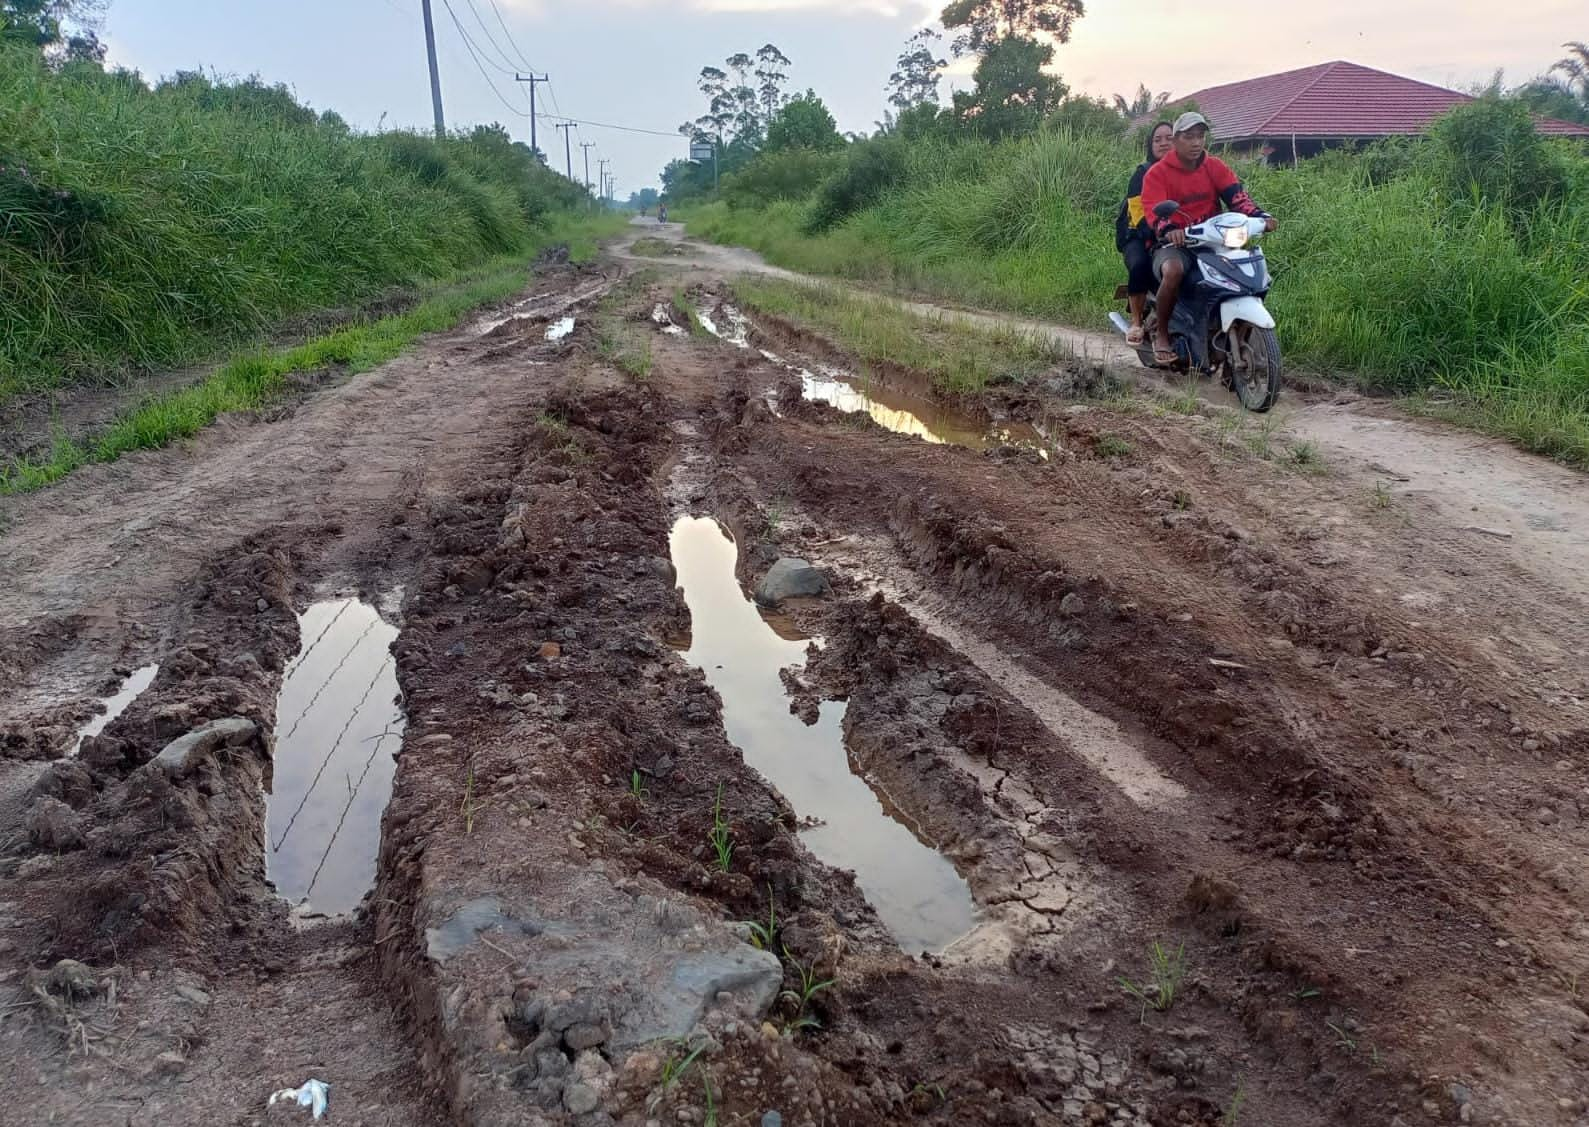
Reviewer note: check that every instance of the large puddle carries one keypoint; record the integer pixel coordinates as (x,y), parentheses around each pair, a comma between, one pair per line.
(914,889)
(117,703)
(339,720)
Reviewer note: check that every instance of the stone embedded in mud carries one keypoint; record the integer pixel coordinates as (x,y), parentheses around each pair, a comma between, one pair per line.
(54,825)
(790,578)
(67,780)
(461,929)
(71,979)
(183,754)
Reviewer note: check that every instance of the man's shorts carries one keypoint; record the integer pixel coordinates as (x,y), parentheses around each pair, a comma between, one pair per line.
(1167,252)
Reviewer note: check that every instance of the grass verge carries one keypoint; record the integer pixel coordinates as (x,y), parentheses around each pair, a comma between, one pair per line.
(957,357)
(254,378)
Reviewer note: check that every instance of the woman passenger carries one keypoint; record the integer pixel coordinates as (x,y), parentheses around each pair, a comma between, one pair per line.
(1132,237)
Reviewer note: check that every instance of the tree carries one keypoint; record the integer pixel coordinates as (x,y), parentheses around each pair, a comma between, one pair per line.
(1574,70)
(982,23)
(65,30)
(1141,104)
(803,123)
(1088,115)
(915,78)
(772,70)
(1012,94)
(1551,97)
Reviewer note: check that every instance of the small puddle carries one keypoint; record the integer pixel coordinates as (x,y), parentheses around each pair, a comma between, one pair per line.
(117,703)
(659,314)
(560,328)
(339,719)
(737,332)
(915,890)
(917,416)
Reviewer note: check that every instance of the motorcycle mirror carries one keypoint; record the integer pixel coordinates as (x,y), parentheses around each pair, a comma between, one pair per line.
(1166,209)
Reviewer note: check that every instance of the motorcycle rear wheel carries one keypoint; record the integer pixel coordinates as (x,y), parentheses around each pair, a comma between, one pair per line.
(1252,366)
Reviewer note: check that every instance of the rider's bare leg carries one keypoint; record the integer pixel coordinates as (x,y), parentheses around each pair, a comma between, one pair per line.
(1139,306)
(1169,290)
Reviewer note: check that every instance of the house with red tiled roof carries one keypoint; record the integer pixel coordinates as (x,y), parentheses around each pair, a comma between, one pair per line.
(1299,112)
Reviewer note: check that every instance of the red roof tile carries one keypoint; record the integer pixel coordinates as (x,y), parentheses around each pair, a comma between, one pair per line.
(1338,99)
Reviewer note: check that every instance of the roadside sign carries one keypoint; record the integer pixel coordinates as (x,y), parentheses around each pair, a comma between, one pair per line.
(701,150)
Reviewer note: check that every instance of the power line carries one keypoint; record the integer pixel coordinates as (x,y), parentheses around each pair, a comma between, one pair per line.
(491,39)
(609,125)
(523,58)
(470,43)
(472,54)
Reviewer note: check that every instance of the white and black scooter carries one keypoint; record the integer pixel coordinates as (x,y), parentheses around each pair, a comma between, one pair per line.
(1220,325)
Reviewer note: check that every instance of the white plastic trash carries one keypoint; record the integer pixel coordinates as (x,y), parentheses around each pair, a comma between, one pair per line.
(314,1095)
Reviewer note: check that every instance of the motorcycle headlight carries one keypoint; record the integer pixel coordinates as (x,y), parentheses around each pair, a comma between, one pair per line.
(1236,237)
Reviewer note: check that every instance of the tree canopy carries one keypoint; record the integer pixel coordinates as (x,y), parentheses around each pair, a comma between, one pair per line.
(1013,93)
(66,30)
(983,23)
(915,78)
(803,123)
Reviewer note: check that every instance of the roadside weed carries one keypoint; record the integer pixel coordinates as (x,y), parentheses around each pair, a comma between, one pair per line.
(1307,992)
(1232,1115)
(674,1067)
(800,999)
(1186,401)
(1166,970)
(1182,500)
(711,1102)
(1343,1039)
(469,806)
(637,786)
(764,935)
(1380,498)
(721,838)
(1112,446)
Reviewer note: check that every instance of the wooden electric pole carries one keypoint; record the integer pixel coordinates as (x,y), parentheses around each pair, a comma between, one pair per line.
(587,146)
(435,75)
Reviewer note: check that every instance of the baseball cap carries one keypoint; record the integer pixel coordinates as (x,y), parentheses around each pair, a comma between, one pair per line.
(1190,120)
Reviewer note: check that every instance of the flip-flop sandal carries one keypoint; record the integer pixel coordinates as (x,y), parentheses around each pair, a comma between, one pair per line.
(1135,336)
(1164,357)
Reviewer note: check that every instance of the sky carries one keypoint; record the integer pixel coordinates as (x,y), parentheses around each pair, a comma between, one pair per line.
(634,62)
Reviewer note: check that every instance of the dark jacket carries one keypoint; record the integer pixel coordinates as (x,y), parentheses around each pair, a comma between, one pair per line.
(1130,224)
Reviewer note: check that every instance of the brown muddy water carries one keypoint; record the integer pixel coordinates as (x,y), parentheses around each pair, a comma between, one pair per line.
(916,891)
(117,703)
(339,721)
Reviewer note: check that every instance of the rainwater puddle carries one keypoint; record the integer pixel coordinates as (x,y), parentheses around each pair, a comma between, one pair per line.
(339,720)
(915,890)
(659,314)
(560,328)
(918,416)
(736,326)
(137,681)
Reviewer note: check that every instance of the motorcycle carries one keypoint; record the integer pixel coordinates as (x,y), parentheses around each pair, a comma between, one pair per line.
(1220,326)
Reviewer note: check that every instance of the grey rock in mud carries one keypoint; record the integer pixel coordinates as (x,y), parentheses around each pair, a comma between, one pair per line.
(790,578)
(461,929)
(183,754)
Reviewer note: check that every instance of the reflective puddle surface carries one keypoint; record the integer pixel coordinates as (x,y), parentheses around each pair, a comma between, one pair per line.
(339,720)
(915,890)
(918,416)
(137,681)
(560,328)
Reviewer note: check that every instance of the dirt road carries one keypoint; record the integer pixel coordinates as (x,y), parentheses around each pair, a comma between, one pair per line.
(1107,776)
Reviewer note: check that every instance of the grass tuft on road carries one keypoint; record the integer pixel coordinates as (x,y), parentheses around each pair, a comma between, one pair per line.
(957,357)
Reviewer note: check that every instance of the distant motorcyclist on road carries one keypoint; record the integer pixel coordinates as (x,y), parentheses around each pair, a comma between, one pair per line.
(1201,185)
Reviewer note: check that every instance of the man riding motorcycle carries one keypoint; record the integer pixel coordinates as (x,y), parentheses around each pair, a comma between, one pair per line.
(1199,183)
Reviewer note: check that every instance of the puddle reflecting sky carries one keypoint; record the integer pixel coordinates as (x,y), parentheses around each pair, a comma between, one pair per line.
(338,723)
(137,681)
(915,890)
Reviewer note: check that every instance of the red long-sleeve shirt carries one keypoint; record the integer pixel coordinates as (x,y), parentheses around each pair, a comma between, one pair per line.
(1199,191)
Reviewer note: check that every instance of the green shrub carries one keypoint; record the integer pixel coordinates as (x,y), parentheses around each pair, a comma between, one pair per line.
(789,175)
(869,170)
(1489,152)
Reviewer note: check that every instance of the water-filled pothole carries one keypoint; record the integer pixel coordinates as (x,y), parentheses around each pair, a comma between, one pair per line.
(117,703)
(560,328)
(339,720)
(916,415)
(735,328)
(915,890)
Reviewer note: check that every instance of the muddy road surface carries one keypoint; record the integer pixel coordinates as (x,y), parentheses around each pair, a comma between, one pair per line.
(581,721)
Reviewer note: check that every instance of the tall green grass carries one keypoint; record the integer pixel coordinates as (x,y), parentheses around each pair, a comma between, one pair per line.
(143,227)
(1389,268)
(256,377)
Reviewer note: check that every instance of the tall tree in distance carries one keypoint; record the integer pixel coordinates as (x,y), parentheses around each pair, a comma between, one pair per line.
(1574,70)
(982,23)
(1013,92)
(915,79)
(772,71)
(1141,104)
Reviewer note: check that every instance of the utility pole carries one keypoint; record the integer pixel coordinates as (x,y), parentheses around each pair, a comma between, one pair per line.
(587,146)
(602,175)
(532,79)
(435,75)
(568,152)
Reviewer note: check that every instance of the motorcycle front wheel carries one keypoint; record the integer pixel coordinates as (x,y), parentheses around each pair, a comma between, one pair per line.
(1252,366)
